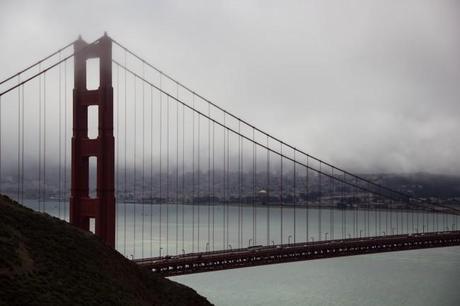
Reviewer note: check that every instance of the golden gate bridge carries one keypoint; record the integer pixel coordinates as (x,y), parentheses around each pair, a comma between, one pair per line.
(179,184)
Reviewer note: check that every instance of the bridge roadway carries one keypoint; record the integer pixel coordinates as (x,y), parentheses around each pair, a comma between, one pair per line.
(264,255)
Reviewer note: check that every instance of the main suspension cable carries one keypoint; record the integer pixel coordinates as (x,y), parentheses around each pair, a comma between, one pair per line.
(283,156)
(257,129)
(37,63)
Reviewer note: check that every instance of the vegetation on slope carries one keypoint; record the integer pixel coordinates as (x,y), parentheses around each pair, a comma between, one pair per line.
(45,261)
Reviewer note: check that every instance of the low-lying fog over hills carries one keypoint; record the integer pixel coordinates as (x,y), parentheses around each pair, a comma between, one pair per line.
(200,185)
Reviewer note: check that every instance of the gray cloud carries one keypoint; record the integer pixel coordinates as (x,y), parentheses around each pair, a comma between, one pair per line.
(367,85)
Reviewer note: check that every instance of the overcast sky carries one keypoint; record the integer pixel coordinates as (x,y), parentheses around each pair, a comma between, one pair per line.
(367,85)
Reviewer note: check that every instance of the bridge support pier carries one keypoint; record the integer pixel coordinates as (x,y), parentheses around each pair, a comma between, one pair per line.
(102,207)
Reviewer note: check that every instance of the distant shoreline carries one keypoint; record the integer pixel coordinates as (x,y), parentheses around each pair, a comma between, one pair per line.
(258,205)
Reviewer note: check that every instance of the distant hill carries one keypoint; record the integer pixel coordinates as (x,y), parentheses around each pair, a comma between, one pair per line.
(46,261)
(421,184)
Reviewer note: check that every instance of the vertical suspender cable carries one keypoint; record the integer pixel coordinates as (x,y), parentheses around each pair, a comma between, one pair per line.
(391,217)
(1,155)
(239,186)
(355,197)
(39,140)
(117,175)
(177,171)
(254,217)
(331,208)
(60,139)
(19,143)
(125,179)
(65,138)
(353,201)
(368,211)
(319,199)
(134,166)
(294,197)
(198,180)
(44,141)
(407,218)
(365,206)
(307,198)
(365,200)
(1,152)
(161,168)
(193,174)
(423,221)
(443,221)
(228,183)
(224,189)
(369,207)
(151,172)
(385,207)
(213,183)
(22,150)
(377,220)
(437,222)
(167,175)
(398,212)
(143,157)
(242,190)
(183,178)
(281,192)
(117,161)
(342,201)
(209,177)
(268,192)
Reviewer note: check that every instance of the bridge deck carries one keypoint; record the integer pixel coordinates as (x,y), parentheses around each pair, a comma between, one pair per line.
(263,255)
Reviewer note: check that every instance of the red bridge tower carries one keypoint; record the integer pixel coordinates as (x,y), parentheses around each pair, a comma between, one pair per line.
(82,206)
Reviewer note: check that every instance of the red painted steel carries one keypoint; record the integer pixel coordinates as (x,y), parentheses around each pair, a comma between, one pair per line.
(102,207)
(265,255)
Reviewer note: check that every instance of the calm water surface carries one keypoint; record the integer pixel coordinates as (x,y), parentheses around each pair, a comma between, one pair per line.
(418,277)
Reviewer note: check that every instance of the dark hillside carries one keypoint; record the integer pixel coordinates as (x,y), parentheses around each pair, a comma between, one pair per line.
(45,261)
